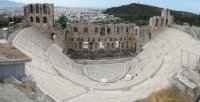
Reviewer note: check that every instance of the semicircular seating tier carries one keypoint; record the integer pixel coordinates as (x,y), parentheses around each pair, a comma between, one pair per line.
(64,80)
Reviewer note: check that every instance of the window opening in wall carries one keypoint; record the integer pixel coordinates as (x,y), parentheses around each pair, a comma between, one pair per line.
(91,45)
(96,30)
(44,20)
(166,22)
(102,32)
(31,19)
(127,30)
(75,29)
(162,22)
(108,30)
(157,22)
(113,45)
(118,30)
(31,8)
(45,9)
(85,30)
(37,20)
(37,9)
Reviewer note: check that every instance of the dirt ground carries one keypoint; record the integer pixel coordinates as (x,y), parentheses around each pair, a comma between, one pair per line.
(9,51)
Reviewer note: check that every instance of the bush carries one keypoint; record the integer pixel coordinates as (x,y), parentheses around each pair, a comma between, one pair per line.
(171,94)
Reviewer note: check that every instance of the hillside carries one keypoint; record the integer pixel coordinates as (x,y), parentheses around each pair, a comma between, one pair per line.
(9,3)
(140,14)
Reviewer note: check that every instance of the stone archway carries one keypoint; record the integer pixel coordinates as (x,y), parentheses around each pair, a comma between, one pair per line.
(166,22)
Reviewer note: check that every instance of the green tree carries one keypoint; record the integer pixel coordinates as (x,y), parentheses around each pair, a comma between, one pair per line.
(18,19)
(3,21)
(62,21)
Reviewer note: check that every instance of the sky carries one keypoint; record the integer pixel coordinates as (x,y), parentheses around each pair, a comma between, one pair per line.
(181,5)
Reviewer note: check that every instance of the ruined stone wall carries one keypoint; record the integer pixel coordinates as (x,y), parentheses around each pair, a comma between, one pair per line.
(59,35)
(145,35)
(40,16)
(158,22)
(114,37)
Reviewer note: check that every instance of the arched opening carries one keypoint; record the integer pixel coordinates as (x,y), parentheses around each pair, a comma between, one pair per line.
(157,22)
(110,39)
(31,8)
(136,32)
(75,29)
(118,30)
(37,9)
(167,22)
(31,19)
(102,32)
(85,30)
(45,9)
(108,30)
(91,45)
(44,20)
(37,20)
(96,30)
(162,22)
(113,45)
(127,30)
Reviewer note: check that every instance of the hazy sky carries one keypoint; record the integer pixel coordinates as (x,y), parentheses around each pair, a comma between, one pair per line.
(184,5)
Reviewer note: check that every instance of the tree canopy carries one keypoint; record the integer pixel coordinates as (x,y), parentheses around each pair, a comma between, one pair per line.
(62,21)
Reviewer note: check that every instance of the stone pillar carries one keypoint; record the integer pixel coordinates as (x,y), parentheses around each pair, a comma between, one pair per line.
(137,29)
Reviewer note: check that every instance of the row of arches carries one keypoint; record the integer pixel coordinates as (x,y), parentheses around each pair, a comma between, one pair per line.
(163,22)
(38,19)
(99,39)
(38,8)
(95,45)
(102,30)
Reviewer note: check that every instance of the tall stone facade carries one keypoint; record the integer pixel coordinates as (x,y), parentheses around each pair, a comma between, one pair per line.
(158,22)
(98,39)
(41,16)
(92,39)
